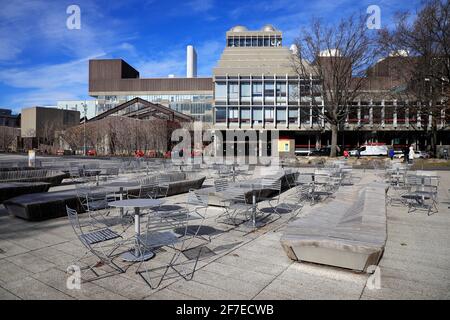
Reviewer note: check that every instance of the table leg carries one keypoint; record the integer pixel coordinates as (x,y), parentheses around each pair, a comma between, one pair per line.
(136,254)
(137,229)
(254,209)
(121,198)
(253,223)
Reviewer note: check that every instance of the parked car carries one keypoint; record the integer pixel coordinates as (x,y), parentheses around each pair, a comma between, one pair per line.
(325,151)
(371,150)
(91,152)
(302,152)
(418,155)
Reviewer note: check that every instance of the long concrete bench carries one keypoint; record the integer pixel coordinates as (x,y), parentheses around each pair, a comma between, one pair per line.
(14,189)
(54,177)
(41,206)
(349,232)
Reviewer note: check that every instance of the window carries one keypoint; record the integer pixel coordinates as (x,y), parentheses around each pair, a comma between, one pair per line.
(316,115)
(260,42)
(388,112)
(257,115)
(233,115)
(268,92)
(376,113)
(293,115)
(245,93)
(352,116)
(221,91)
(245,115)
(401,113)
(233,91)
(221,115)
(305,89)
(281,115)
(293,93)
(281,93)
(257,92)
(365,112)
(412,113)
(305,115)
(268,115)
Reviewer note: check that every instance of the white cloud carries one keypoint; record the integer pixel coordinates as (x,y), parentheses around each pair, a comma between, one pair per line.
(200,5)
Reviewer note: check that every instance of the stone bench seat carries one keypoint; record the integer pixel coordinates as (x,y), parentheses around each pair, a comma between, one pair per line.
(41,206)
(13,189)
(347,234)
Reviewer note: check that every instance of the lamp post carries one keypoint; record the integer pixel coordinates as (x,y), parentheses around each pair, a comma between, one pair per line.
(84,128)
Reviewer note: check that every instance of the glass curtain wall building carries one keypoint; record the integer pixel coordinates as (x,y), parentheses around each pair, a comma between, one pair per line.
(256,88)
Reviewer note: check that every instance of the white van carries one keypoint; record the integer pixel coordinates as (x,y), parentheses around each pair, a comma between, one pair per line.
(368,150)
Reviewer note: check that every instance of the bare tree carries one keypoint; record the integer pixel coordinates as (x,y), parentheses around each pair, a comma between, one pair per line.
(336,57)
(426,72)
(8,136)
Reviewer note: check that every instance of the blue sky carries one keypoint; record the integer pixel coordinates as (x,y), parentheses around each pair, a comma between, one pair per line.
(41,61)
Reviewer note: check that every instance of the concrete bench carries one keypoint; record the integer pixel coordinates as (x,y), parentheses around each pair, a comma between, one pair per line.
(41,206)
(349,232)
(10,190)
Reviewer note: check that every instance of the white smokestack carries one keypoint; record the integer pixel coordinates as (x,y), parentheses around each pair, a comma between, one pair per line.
(191,62)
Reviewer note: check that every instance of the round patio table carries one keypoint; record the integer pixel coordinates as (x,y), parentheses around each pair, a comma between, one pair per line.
(256,187)
(121,185)
(419,198)
(136,254)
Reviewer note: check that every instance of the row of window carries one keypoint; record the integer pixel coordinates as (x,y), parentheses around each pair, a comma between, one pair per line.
(192,108)
(254,41)
(267,92)
(105,103)
(308,114)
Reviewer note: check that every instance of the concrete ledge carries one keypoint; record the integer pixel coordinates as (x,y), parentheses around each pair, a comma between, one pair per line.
(14,189)
(42,206)
(347,234)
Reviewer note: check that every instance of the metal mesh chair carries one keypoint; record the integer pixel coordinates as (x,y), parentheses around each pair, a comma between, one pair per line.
(236,204)
(163,185)
(168,229)
(273,186)
(98,239)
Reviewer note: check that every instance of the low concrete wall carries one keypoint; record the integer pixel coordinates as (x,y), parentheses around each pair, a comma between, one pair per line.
(346,234)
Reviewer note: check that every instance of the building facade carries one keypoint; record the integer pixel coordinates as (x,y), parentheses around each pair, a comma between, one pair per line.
(8,119)
(254,87)
(113,82)
(257,88)
(79,105)
(39,125)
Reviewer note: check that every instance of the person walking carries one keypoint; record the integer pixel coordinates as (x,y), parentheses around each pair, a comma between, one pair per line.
(391,154)
(411,154)
(406,154)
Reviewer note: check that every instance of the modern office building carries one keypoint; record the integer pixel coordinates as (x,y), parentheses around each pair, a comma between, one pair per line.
(39,124)
(113,82)
(256,88)
(8,119)
(79,105)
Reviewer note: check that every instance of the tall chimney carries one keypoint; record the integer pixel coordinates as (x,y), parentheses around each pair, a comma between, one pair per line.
(191,62)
